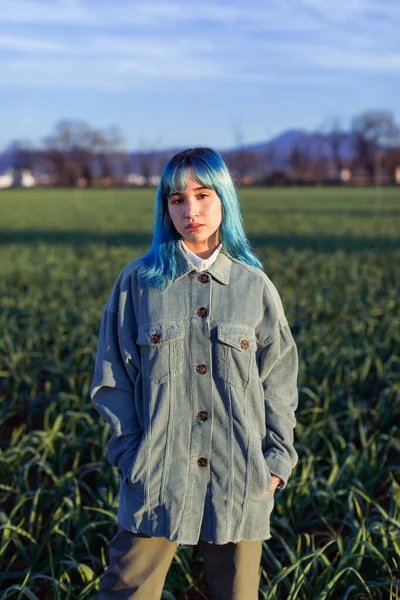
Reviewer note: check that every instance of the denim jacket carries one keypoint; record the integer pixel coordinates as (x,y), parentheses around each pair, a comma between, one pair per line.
(199,385)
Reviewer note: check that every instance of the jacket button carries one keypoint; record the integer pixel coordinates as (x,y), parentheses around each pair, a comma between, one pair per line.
(202,312)
(202,462)
(204,278)
(201,369)
(202,415)
(156,338)
(244,344)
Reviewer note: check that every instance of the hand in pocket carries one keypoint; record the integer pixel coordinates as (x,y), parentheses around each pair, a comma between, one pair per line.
(276,481)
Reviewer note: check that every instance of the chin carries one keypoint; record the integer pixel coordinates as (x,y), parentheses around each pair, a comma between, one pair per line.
(198,236)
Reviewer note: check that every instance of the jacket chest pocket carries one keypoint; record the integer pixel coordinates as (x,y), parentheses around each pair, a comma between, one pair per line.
(235,354)
(161,347)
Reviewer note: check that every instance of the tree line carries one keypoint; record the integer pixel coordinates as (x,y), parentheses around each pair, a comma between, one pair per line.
(76,154)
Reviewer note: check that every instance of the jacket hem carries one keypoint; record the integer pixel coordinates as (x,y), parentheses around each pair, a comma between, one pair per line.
(187,542)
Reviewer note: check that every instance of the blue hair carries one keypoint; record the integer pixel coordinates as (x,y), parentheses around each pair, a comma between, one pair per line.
(207,166)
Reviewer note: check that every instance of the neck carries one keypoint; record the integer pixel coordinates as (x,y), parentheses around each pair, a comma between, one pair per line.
(203,249)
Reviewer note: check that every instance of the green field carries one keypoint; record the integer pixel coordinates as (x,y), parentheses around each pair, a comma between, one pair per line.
(334,255)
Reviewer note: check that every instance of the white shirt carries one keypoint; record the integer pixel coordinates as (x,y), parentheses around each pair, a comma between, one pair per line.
(201,264)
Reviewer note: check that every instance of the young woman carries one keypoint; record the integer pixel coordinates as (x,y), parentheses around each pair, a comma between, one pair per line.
(196,372)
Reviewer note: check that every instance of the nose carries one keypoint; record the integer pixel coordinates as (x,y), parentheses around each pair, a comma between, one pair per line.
(192,208)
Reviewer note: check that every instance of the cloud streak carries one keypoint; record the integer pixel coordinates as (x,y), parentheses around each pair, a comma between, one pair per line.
(85,14)
(77,43)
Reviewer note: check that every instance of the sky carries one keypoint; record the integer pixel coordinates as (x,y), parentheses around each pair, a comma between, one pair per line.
(179,73)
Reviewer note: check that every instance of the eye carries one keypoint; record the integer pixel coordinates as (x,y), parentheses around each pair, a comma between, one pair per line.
(203,195)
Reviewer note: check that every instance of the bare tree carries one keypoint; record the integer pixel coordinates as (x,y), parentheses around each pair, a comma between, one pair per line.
(145,165)
(244,163)
(299,160)
(373,131)
(75,147)
(269,159)
(70,152)
(148,160)
(391,164)
(113,157)
(336,138)
(327,150)
(318,157)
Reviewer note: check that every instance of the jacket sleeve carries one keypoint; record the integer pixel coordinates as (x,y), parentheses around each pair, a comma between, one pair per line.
(278,365)
(112,391)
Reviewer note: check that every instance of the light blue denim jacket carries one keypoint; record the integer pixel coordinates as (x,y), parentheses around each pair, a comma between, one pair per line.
(202,402)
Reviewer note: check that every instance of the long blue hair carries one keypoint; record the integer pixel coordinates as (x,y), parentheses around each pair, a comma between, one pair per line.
(158,268)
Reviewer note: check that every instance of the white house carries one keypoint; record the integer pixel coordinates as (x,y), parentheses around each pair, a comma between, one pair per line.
(17,178)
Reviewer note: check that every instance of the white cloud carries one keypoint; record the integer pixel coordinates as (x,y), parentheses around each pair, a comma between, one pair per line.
(353,10)
(21,43)
(342,57)
(96,45)
(389,63)
(64,12)
(121,75)
(340,10)
(102,13)
(83,74)
(284,15)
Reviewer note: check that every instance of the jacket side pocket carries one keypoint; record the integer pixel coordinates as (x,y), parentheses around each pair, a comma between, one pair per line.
(260,475)
(136,472)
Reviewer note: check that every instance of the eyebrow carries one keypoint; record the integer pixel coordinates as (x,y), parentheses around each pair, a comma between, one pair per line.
(194,189)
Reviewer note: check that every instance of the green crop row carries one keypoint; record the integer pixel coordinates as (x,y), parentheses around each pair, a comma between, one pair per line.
(336,527)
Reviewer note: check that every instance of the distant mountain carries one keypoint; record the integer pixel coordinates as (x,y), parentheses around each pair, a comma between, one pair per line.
(278,150)
(284,142)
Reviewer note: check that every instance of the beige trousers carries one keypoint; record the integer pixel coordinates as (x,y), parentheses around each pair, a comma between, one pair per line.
(139,565)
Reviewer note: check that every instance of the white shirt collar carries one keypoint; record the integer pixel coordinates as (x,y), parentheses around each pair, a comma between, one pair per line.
(201,264)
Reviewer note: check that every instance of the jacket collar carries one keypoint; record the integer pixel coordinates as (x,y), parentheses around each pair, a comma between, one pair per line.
(219,270)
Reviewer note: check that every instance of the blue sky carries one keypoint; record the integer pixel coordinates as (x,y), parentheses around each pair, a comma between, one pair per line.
(178,73)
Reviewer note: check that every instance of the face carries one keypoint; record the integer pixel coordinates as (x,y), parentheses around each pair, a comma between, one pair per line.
(196,213)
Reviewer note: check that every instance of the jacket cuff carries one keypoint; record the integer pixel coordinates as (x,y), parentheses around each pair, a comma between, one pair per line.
(280,468)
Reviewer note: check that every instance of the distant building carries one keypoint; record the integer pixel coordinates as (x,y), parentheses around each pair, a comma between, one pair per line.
(6,179)
(139,180)
(345,175)
(134,179)
(17,178)
(155,180)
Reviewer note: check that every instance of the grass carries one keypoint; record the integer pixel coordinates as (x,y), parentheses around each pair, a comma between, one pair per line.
(334,256)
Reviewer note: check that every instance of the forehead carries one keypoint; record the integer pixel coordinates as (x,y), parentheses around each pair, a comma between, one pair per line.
(186,178)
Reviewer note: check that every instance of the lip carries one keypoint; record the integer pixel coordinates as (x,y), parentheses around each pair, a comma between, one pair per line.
(194,226)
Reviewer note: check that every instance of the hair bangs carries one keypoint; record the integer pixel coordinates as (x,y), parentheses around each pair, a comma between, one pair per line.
(175,179)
